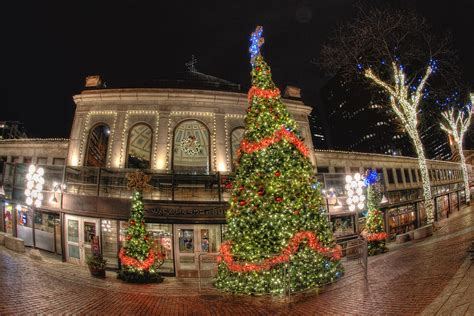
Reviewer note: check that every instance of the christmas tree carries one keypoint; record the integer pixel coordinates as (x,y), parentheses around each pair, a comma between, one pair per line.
(140,262)
(375,234)
(278,238)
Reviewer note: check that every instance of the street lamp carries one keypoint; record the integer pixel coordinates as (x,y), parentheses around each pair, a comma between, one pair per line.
(355,194)
(34,186)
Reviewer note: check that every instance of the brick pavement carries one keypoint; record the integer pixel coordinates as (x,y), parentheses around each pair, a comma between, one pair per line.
(406,280)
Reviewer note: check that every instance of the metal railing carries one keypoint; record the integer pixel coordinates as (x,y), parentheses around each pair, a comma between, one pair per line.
(106,182)
(354,260)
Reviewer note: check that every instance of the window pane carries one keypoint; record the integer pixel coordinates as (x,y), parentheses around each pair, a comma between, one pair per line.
(236,138)
(139,147)
(191,148)
(97,146)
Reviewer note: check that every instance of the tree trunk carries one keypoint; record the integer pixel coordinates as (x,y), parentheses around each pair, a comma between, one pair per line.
(465,176)
(429,207)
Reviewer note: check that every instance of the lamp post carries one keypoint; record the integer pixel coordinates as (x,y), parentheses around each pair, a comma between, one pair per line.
(355,196)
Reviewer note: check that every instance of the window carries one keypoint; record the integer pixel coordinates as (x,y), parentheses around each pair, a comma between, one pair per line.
(140,141)
(323,169)
(407,175)
(97,146)
(355,169)
(27,160)
(59,161)
(3,159)
(191,148)
(390,178)
(413,175)
(42,160)
(339,169)
(399,175)
(15,159)
(236,137)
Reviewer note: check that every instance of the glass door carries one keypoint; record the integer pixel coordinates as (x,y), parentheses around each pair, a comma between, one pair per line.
(190,242)
(79,234)
(185,245)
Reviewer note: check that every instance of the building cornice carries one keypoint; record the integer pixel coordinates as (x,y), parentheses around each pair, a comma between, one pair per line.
(153,95)
(379,156)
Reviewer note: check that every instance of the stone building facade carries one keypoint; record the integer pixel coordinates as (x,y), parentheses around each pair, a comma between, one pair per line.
(186,140)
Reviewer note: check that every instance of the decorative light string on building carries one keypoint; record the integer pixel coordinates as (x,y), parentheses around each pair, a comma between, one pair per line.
(355,193)
(34,186)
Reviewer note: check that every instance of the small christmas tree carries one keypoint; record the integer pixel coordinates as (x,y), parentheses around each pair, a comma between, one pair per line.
(139,261)
(375,233)
(278,238)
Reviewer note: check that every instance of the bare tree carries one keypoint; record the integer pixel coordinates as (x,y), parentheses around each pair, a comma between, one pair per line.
(395,51)
(456,123)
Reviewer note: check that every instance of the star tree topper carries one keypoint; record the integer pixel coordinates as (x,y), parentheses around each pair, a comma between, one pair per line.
(256,41)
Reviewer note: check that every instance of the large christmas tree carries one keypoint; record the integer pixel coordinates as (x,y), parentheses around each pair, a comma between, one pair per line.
(140,262)
(375,234)
(278,237)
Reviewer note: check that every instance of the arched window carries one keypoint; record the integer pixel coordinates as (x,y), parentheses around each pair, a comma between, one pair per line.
(97,146)
(235,139)
(191,148)
(139,147)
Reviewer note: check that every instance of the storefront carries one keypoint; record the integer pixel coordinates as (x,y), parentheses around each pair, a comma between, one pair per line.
(401,219)
(442,206)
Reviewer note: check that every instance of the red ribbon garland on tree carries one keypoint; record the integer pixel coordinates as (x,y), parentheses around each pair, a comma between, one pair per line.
(262,93)
(145,265)
(376,236)
(313,243)
(280,134)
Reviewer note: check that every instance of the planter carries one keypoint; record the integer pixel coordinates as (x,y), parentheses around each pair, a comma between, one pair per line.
(97,271)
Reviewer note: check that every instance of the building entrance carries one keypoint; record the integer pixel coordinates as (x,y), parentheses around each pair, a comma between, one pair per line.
(190,241)
(80,231)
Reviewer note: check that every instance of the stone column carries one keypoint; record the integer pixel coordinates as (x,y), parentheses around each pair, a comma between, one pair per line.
(221,157)
(162,145)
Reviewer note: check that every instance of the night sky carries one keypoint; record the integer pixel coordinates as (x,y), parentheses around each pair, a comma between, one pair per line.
(49,48)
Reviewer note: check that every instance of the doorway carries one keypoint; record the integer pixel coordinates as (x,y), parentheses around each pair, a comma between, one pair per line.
(191,241)
(80,231)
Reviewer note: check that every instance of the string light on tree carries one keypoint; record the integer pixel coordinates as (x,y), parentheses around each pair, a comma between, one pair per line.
(456,124)
(34,186)
(355,193)
(277,238)
(404,102)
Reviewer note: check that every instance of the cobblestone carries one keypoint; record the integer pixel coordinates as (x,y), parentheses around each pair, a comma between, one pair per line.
(429,276)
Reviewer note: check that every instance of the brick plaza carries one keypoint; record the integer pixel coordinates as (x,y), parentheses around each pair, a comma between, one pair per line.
(431,276)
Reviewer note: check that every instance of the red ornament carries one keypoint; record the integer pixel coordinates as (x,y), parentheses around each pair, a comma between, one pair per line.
(257,68)
(261,192)
(278,199)
(241,188)
(146,237)
(129,237)
(132,222)
(277,173)
(228,185)
(242,203)
(296,212)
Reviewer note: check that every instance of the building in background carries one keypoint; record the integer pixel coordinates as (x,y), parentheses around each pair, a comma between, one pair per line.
(12,130)
(358,122)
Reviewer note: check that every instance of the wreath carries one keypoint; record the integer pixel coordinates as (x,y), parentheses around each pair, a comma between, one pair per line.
(190,146)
